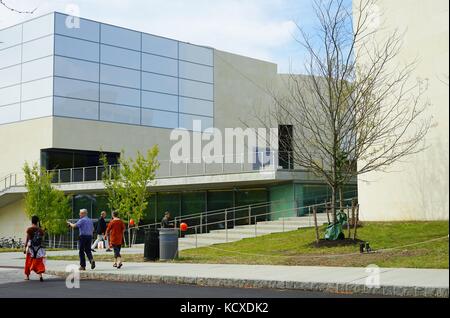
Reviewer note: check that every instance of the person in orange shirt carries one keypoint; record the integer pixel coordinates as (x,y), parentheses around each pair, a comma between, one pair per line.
(115,231)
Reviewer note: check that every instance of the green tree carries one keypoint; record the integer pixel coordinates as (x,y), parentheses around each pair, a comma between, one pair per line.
(45,201)
(126,184)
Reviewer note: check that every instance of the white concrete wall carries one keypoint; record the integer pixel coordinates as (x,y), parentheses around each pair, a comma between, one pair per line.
(13,220)
(416,188)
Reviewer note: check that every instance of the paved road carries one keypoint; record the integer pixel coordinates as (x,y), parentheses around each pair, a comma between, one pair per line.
(12,285)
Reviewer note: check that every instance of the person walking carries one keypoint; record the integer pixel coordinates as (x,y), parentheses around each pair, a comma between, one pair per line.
(34,250)
(86,228)
(101,233)
(115,231)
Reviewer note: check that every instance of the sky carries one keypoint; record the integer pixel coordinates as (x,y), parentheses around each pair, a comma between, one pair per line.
(263,29)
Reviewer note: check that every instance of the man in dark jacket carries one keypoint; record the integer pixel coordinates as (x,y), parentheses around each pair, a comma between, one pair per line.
(101,231)
(165,222)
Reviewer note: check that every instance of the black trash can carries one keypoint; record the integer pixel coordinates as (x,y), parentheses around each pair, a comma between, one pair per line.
(151,245)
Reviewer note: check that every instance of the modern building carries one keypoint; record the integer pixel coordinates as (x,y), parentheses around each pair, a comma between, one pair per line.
(72,89)
(416,188)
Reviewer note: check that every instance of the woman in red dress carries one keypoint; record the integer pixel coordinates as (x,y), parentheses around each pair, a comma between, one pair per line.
(34,250)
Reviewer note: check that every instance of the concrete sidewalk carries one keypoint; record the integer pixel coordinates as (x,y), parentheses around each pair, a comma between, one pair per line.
(393,281)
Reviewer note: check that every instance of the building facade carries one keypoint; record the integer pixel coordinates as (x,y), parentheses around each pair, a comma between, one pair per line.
(416,188)
(71,89)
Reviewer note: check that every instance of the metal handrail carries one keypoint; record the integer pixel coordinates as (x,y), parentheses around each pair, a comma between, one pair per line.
(269,162)
(227,210)
(255,217)
(10,178)
(242,207)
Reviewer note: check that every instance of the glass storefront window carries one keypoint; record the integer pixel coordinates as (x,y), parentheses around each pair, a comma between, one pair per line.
(168,202)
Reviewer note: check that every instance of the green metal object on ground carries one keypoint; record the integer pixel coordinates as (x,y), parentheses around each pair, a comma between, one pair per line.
(334,231)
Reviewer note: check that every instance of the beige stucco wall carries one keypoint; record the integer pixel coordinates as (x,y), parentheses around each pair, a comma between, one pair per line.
(22,141)
(416,188)
(241,89)
(13,221)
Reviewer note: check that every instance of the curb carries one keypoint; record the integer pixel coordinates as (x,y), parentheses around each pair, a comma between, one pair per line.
(339,288)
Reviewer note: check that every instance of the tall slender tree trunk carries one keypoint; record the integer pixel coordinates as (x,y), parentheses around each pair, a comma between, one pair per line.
(333,203)
(315,224)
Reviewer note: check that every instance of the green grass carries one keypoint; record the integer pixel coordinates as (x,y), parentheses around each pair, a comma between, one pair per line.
(9,250)
(295,248)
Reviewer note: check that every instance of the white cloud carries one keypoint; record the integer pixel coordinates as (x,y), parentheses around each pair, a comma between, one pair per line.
(255,28)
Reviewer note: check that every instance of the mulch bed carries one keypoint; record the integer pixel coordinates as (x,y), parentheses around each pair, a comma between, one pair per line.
(344,242)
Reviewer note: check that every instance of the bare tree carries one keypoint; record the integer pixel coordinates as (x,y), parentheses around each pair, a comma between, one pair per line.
(3,3)
(355,111)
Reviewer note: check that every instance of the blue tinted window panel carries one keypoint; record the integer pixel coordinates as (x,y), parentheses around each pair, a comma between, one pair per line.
(159,83)
(11,36)
(37,89)
(76,48)
(119,76)
(196,54)
(120,57)
(158,64)
(120,95)
(158,118)
(196,106)
(160,46)
(76,89)
(187,122)
(37,48)
(9,114)
(37,69)
(37,108)
(78,69)
(37,28)
(120,114)
(10,56)
(196,89)
(85,29)
(10,95)
(159,101)
(76,108)
(120,37)
(10,76)
(196,72)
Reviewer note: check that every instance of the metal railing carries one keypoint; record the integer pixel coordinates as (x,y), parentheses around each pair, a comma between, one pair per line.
(228,219)
(11,180)
(226,164)
(197,166)
(200,166)
(311,218)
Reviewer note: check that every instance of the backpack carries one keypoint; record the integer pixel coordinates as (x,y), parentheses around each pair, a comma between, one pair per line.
(36,242)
